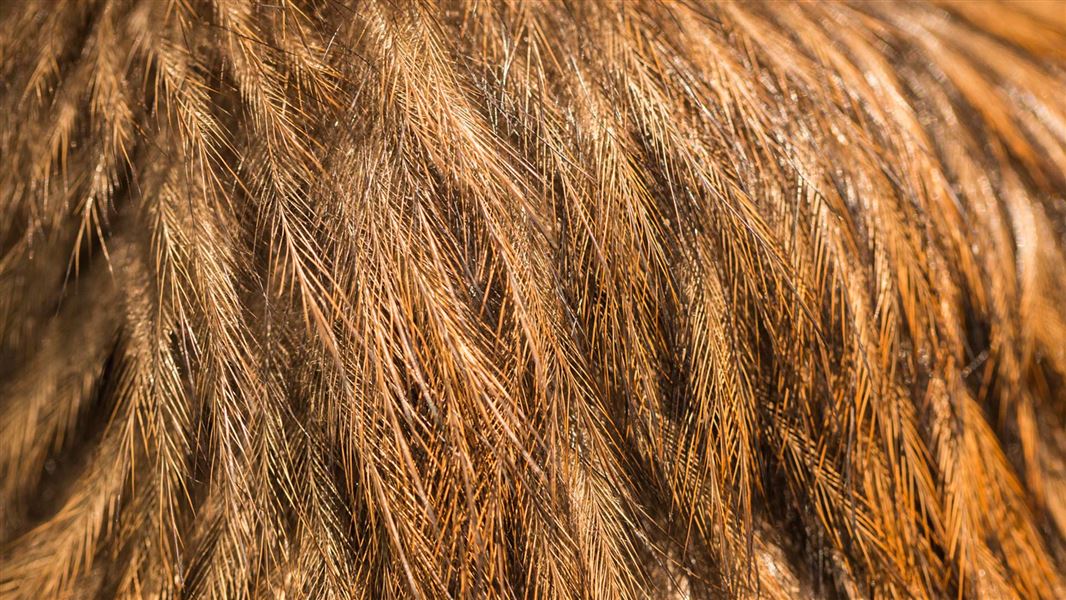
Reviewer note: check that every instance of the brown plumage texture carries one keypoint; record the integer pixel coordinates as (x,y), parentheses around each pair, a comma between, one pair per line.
(392,299)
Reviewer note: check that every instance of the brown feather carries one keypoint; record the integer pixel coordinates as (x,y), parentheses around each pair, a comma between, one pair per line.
(521,299)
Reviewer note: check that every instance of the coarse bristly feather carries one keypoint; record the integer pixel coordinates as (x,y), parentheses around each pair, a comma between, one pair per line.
(532,299)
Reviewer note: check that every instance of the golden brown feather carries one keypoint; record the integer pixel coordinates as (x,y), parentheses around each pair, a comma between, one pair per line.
(532,299)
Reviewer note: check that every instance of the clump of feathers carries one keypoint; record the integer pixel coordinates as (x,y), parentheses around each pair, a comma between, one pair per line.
(388,299)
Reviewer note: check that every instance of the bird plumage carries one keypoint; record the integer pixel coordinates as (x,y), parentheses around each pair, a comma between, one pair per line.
(388,299)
